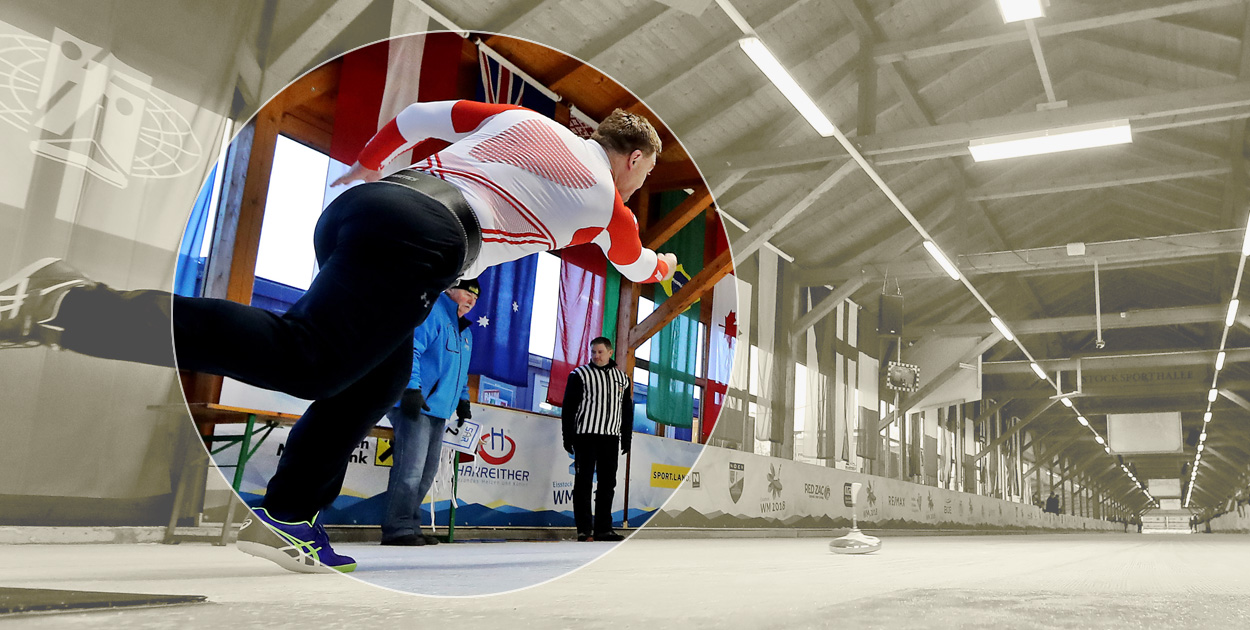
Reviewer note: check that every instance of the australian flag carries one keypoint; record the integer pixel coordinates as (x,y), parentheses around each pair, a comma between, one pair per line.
(501,321)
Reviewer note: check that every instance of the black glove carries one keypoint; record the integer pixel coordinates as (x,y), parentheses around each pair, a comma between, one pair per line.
(463,412)
(412,403)
(568,446)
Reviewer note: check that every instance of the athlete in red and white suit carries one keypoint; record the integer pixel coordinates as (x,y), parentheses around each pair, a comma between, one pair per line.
(519,183)
(533,184)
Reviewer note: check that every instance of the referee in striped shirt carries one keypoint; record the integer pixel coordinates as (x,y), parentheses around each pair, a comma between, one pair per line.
(598,418)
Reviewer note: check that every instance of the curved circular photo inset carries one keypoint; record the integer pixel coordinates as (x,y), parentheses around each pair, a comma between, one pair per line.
(491,316)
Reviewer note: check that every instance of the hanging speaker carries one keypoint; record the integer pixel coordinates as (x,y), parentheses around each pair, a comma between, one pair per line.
(890,315)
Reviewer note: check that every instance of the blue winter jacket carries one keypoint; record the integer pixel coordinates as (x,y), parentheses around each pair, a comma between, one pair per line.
(441,347)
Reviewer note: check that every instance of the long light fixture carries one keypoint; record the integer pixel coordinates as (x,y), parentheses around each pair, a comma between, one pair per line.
(1002,328)
(1037,369)
(1212,394)
(1219,361)
(1017,10)
(1232,312)
(1051,140)
(768,64)
(942,260)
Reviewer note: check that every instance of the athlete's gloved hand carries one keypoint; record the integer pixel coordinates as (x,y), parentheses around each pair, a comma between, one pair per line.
(412,403)
(463,412)
(568,446)
(358,173)
(671,259)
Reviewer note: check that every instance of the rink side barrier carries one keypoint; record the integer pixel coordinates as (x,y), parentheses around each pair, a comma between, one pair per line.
(1236,521)
(521,477)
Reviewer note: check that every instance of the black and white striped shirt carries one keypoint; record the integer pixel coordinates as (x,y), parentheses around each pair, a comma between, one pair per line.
(598,401)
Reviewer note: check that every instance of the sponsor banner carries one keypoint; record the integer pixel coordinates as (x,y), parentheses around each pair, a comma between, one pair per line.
(657,467)
(520,475)
(663,476)
(745,490)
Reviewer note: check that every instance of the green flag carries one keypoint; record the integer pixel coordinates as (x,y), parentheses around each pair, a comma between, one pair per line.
(674,350)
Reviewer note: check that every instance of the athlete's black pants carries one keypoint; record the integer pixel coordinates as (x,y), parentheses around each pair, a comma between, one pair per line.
(385,253)
(594,454)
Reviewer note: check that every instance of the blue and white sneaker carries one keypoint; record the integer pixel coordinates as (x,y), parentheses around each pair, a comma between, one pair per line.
(302,547)
(31,299)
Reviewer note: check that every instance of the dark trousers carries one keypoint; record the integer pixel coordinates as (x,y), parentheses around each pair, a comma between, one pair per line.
(385,253)
(594,454)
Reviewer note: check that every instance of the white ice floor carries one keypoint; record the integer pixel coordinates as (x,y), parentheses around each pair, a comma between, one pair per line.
(1011,582)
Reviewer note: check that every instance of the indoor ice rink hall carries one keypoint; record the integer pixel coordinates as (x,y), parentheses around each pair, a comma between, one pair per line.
(581,314)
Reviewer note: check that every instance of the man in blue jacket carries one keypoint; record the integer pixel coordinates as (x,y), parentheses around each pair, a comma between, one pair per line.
(439,385)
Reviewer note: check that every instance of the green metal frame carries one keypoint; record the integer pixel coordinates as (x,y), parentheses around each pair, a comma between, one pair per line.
(246,448)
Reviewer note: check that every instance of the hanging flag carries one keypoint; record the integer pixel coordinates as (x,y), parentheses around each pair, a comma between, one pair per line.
(724,342)
(501,321)
(188,281)
(580,123)
(674,350)
(379,81)
(501,84)
(583,271)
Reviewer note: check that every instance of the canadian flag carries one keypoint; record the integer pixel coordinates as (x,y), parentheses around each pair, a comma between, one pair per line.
(726,328)
(379,81)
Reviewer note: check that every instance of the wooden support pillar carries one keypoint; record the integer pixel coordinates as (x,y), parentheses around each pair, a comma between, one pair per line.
(627,311)
(784,363)
(231,267)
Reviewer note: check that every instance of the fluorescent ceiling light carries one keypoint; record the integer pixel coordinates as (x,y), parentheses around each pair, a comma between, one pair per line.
(1206,417)
(1107,448)
(1082,420)
(1038,369)
(1212,394)
(1051,140)
(1232,311)
(1219,360)
(942,260)
(1066,403)
(1098,438)
(1200,447)
(1203,437)
(1017,10)
(768,64)
(1002,328)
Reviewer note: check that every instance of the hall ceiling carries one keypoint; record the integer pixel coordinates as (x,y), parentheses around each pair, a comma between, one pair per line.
(1163,216)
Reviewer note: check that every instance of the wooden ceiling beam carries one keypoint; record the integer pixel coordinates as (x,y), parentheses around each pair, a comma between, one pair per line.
(1102,180)
(1121,361)
(1156,111)
(1059,22)
(1141,251)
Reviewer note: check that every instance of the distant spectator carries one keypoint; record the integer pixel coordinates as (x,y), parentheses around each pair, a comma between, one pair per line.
(1052,503)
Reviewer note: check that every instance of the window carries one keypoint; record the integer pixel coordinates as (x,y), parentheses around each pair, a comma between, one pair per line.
(546,306)
(297,194)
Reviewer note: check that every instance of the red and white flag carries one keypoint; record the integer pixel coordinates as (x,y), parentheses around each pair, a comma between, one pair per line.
(726,328)
(379,81)
(583,283)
